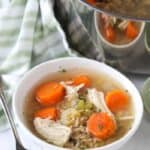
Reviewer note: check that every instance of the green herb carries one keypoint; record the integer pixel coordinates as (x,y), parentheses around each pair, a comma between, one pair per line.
(62,70)
(100,127)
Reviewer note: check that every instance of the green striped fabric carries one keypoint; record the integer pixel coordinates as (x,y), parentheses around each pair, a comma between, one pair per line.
(33,31)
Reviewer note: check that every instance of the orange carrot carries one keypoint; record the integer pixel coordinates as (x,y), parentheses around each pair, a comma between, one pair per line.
(91,1)
(82,79)
(50,93)
(110,33)
(50,112)
(117,100)
(101,125)
(131,31)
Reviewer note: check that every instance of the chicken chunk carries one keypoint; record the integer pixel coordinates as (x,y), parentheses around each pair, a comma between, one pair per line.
(72,91)
(97,98)
(51,131)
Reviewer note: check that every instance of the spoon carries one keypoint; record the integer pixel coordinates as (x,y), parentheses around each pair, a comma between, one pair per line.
(19,145)
(132,13)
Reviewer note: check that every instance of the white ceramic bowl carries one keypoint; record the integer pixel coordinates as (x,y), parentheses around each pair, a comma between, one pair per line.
(114,49)
(39,72)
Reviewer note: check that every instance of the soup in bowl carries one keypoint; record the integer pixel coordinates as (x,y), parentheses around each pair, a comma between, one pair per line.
(118,36)
(77,103)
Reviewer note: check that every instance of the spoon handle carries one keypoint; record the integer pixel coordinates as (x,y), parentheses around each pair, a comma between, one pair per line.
(19,147)
(9,116)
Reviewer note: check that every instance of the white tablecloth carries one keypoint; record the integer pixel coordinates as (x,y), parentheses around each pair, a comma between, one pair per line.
(140,141)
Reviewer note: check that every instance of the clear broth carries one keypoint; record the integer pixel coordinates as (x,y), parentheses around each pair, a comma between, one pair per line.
(100,81)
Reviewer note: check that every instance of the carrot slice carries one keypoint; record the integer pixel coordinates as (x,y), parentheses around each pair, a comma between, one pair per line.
(117,100)
(131,31)
(110,33)
(50,112)
(50,93)
(82,79)
(91,1)
(101,125)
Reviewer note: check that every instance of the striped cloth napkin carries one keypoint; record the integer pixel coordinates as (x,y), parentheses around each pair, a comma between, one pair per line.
(34,31)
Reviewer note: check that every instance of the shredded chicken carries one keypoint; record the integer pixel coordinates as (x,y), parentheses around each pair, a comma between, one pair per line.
(112,20)
(97,98)
(51,131)
(123,25)
(72,91)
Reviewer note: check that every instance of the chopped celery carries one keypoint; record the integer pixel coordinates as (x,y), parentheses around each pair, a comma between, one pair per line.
(84,106)
(80,105)
(89,105)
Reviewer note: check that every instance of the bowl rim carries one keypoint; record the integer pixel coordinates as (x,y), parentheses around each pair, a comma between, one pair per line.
(142,28)
(122,140)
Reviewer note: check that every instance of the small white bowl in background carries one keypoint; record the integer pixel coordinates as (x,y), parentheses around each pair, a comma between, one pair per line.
(114,49)
(35,75)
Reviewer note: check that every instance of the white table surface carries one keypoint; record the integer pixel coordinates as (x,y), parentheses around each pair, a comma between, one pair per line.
(140,141)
